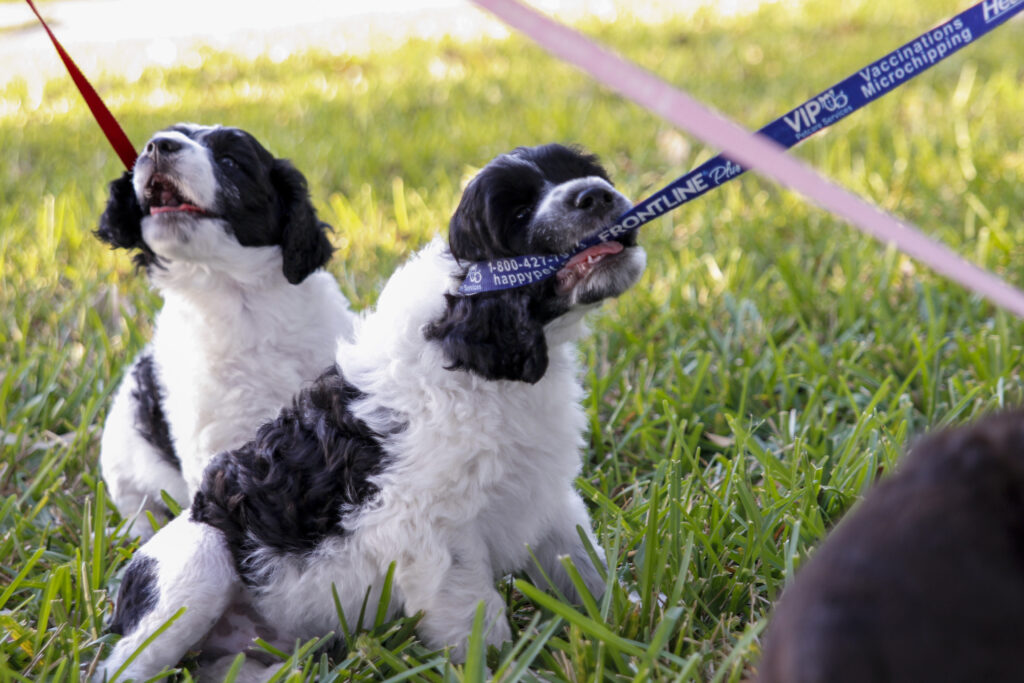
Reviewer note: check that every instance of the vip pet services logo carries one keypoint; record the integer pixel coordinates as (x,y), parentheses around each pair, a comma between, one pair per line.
(806,116)
(475,276)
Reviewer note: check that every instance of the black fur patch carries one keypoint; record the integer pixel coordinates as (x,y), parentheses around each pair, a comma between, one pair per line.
(150,421)
(265,200)
(496,335)
(137,596)
(121,223)
(286,489)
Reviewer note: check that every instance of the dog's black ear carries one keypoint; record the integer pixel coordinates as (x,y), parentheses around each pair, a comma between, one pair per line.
(493,335)
(304,242)
(121,222)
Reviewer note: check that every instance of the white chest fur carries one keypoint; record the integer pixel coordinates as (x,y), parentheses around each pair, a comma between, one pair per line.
(230,362)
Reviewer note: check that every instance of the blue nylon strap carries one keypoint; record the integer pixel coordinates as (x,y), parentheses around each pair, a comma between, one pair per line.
(821,111)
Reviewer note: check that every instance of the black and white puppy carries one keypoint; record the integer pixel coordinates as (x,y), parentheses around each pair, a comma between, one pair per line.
(446,440)
(228,235)
(924,580)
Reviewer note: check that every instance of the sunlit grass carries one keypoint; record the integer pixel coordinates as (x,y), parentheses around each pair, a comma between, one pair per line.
(771,365)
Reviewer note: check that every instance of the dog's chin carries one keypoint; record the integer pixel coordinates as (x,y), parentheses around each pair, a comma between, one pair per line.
(601,272)
(171,233)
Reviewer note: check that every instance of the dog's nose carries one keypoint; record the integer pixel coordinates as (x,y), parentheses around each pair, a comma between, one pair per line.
(163,146)
(593,197)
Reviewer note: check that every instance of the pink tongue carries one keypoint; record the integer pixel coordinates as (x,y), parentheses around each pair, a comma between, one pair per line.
(602,249)
(180,207)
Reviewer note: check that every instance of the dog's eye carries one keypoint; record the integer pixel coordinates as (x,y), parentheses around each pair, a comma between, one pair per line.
(522,214)
(227,161)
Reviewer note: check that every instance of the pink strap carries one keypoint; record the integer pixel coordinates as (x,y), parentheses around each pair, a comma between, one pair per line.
(755,152)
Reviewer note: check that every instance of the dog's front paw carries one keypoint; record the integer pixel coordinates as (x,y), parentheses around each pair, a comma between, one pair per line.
(106,670)
(498,633)
(441,627)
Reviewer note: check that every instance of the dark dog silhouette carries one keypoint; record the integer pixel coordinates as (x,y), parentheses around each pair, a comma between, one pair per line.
(924,581)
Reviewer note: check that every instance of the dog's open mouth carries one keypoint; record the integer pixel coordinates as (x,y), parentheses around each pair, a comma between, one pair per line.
(583,263)
(164,196)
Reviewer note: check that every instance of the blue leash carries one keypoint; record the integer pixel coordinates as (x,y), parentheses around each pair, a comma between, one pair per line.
(821,111)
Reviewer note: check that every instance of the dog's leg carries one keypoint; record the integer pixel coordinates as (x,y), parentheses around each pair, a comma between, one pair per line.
(250,672)
(562,539)
(447,583)
(134,468)
(186,564)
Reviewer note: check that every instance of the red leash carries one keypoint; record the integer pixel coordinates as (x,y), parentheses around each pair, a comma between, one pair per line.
(118,140)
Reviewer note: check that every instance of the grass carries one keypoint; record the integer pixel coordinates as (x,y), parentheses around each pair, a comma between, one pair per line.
(772,364)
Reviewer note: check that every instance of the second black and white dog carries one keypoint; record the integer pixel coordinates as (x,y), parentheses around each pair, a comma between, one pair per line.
(446,440)
(228,235)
